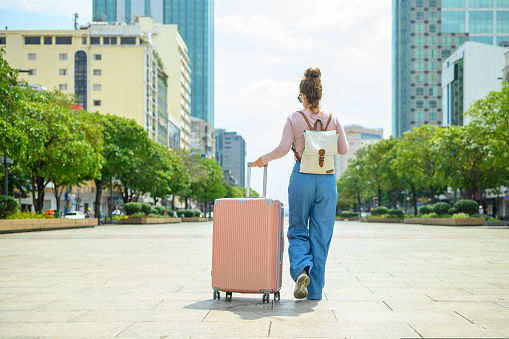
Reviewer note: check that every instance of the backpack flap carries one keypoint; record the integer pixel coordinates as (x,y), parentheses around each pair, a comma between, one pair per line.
(319,150)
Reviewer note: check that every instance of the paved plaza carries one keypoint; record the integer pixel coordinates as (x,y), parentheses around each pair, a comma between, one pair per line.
(127,281)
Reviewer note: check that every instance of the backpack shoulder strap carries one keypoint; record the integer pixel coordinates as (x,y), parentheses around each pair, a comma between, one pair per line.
(306,118)
(328,122)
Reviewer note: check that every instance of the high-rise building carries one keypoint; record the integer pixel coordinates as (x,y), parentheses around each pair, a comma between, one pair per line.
(425,33)
(203,138)
(195,20)
(357,137)
(112,69)
(469,74)
(231,154)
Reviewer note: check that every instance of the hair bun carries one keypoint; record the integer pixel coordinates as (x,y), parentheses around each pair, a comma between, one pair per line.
(312,73)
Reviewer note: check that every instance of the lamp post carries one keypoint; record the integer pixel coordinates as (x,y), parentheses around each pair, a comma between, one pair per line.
(6,161)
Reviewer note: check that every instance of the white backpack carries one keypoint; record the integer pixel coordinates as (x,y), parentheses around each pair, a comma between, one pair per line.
(320,146)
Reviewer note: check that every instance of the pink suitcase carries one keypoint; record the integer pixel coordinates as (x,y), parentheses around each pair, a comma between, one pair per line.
(247,245)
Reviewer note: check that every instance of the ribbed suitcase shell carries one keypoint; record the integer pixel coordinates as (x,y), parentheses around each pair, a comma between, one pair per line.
(247,245)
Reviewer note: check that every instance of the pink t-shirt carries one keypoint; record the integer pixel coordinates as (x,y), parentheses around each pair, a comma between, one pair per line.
(293,133)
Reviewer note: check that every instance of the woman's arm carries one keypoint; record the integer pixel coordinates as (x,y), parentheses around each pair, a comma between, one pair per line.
(342,142)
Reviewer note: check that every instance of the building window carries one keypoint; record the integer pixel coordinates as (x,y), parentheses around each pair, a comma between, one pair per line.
(432,16)
(31,56)
(128,40)
(480,3)
(97,102)
(446,53)
(419,41)
(432,53)
(419,3)
(63,40)
(502,22)
(80,78)
(113,40)
(62,87)
(48,40)
(419,91)
(432,78)
(97,56)
(433,91)
(32,72)
(419,53)
(106,40)
(97,72)
(453,3)
(460,40)
(501,39)
(32,40)
(419,104)
(97,87)
(481,22)
(62,72)
(503,3)
(482,39)
(62,56)
(95,40)
(453,22)
(419,28)
(419,15)
(432,3)
(432,116)
(419,66)
(432,104)
(419,78)
(432,41)
(419,116)
(432,66)
(3,40)
(446,41)
(432,28)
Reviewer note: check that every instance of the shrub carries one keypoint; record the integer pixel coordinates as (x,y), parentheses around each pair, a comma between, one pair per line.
(410,216)
(441,208)
(189,213)
(154,211)
(426,209)
(8,206)
(131,208)
(395,213)
(170,212)
(348,214)
(180,212)
(430,215)
(460,216)
(380,210)
(138,215)
(160,210)
(146,208)
(27,215)
(197,213)
(467,206)
(452,210)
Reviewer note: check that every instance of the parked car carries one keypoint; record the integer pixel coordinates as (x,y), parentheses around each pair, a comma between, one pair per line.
(74,215)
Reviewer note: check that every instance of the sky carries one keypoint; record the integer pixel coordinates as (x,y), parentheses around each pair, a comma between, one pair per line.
(262,49)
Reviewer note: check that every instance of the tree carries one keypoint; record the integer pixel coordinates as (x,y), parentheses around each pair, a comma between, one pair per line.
(209,187)
(373,166)
(352,187)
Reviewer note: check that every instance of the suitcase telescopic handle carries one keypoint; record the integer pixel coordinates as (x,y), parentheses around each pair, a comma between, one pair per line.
(248,185)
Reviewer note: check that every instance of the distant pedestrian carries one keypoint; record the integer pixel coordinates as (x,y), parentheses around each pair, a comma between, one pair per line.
(312,197)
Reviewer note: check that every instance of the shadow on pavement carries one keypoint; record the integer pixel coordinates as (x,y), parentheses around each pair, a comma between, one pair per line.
(252,308)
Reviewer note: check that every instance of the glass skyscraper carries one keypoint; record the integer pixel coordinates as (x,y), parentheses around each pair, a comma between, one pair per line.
(425,33)
(195,20)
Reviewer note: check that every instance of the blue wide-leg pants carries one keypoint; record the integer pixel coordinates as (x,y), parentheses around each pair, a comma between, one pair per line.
(312,212)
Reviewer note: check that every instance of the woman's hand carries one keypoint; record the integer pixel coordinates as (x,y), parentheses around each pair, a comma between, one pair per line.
(258,162)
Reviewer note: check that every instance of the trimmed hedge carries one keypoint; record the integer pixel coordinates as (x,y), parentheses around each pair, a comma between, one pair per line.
(441,208)
(8,206)
(189,213)
(160,210)
(426,209)
(452,210)
(146,208)
(395,213)
(131,208)
(467,206)
(197,213)
(380,210)
(348,214)
(154,211)
(180,212)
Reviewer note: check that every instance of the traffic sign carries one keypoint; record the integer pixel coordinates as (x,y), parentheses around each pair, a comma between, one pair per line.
(506,197)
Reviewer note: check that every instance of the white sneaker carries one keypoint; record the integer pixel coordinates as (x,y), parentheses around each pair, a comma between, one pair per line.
(301,285)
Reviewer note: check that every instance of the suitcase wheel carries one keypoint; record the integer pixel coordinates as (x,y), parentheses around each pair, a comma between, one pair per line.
(228,295)
(217,295)
(266,298)
(277,296)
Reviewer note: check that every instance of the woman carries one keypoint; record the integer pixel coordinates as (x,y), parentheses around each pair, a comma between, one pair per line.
(312,197)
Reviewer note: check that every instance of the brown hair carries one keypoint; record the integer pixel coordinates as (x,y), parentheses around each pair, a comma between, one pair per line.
(311,86)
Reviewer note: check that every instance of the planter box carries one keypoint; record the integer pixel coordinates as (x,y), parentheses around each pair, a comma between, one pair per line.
(347,219)
(388,220)
(20,225)
(196,219)
(446,221)
(145,220)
